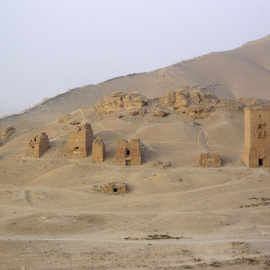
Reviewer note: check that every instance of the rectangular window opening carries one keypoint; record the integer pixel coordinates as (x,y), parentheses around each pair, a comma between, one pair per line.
(260,162)
(115,189)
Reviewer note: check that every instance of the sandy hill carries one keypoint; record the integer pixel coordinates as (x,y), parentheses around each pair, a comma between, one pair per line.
(173,217)
(242,72)
(179,217)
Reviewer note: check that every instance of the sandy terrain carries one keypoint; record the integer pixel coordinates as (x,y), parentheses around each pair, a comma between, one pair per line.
(51,218)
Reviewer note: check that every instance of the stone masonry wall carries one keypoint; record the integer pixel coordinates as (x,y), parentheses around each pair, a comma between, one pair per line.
(80,141)
(113,188)
(257,138)
(128,153)
(209,160)
(98,150)
(38,146)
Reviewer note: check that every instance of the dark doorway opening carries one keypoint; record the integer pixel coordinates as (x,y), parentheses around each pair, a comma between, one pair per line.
(260,162)
(128,152)
(128,162)
(115,189)
(76,148)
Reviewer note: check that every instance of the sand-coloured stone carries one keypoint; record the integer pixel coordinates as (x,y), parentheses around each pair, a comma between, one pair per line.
(38,146)
(7,132)
(128,153)
(257,138)
(121,100)
(80,141)
(98,150)
(182,98)
(112,188)
(196,103)
(209,160)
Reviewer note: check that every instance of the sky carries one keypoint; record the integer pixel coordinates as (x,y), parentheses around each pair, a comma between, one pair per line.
(50,46)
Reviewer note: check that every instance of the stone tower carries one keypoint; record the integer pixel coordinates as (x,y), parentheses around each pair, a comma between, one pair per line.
(80,141)
(257,138)
(38,146)
(98,150)
(128,153)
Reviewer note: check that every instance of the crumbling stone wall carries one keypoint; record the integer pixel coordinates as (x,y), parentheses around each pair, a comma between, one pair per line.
(128,153)
(98,150)
(113,188)
(38,146)
(209,160)
(257,138)
(80,141)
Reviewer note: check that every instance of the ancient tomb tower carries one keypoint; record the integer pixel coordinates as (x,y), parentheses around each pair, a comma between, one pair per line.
(257,138)
(38,146)
(98,150)
(128,153)
(80,141)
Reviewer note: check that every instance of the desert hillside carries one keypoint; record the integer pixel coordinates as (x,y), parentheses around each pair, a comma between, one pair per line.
(175,215)
(242,72)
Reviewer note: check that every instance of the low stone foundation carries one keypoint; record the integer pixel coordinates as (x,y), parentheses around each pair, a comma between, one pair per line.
(209,160)
(112,188)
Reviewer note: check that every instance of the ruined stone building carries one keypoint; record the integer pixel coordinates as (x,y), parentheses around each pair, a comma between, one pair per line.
(257,138)
(209,160)
(38,146)
(80,141)
(128,153)
(113,188)
(98,150)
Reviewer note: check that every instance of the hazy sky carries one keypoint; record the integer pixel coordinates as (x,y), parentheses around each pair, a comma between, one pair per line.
(50,46)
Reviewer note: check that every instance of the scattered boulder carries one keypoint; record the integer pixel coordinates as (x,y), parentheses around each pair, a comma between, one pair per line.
(161,165)
(64,118)
(159,113)
(7,132)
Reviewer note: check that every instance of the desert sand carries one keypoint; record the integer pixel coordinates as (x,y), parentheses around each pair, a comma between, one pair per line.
(177,217)
(182,217)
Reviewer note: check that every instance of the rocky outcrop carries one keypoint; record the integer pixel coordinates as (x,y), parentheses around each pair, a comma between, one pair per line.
(182,99)
(120,100)
(7,132)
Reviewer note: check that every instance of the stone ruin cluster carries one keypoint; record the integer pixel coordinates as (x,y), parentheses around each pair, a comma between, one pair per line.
(81,143)
(196,104)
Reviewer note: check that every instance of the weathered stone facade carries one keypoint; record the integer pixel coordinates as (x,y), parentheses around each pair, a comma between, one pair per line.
(209,160)
(113,188)
(80,141)
(257,138)
(38,146)
(98,150)
(128,153)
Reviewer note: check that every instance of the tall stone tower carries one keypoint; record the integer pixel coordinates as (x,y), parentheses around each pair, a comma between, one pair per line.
(257,138)
(128,153)
(80,141)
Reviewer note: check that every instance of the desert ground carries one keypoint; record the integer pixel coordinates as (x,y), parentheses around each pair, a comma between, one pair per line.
(180,217)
